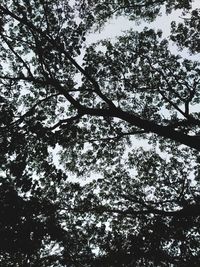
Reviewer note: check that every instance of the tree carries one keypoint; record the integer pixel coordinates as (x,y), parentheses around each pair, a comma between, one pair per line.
(144,207)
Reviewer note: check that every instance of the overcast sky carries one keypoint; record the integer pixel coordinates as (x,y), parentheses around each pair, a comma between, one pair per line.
(116,26)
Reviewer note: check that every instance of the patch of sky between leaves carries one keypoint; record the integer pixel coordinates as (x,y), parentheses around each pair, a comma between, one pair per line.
(116,26)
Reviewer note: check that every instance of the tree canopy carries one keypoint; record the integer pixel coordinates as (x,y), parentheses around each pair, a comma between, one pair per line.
(99,142)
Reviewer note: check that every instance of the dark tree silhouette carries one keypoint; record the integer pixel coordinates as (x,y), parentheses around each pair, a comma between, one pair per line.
(70,110)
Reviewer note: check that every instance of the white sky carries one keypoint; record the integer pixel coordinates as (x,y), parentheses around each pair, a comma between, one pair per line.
(120,24)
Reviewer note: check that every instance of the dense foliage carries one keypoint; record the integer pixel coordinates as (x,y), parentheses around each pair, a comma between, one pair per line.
(99,142)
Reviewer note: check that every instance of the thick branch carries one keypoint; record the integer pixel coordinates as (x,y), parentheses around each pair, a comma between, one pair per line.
(147,125)
(191,210)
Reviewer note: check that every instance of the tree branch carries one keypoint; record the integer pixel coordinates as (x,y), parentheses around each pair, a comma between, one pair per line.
(66,121)
(61,49)
(17,55)
(190,210)
(31,110)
